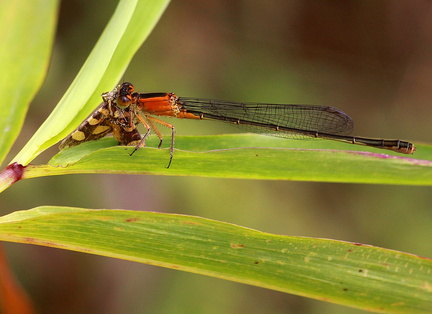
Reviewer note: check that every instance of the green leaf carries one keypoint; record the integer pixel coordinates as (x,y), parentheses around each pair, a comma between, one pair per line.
(27,32)
(346,273)
(260,158)
(130,25)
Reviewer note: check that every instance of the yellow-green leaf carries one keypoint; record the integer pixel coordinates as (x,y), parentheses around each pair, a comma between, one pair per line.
(26,36)
(130,25)
(244,156)
(351,274)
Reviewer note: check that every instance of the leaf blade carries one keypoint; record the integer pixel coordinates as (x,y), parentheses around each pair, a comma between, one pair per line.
(340,272)
(26,26)
(101,71)
(244,156)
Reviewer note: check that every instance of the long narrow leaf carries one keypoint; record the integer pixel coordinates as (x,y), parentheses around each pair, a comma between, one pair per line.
(130,25)
(346,273)
(26,36)
(260,158)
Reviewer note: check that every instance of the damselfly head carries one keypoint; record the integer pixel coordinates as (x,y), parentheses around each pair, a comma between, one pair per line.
(125,97)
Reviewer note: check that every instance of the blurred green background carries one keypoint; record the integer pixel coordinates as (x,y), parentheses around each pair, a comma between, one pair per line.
(372,59)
